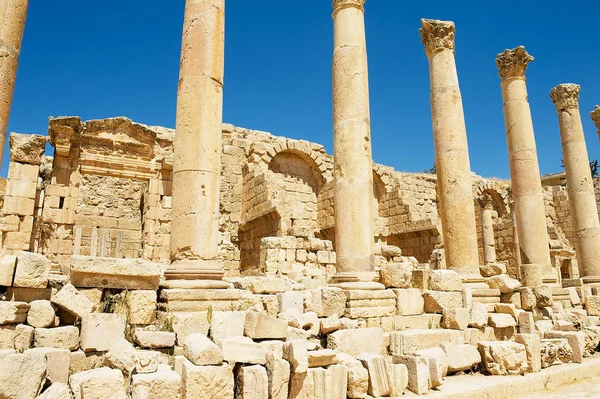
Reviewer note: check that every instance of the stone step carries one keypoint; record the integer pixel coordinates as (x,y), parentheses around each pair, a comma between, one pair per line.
(408,341)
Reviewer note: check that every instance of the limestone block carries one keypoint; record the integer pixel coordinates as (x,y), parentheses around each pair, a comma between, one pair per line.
(142,307)
(322,358)
(101,383)
(185,323)
(503,283)
(500,320)
(325,301)
(456,319)
(592,340)
(296,353)
(13,312)
(543,296)
(354,342)
(330,324)
(492,269)
(81,361)
(58,363)
(27,148)
(592,305)
(512,298)
(164,384)
(526,323)
(261,326)
(31,271)
(251,383)
(479,315)
(311,324)
(503,357)
(129,273)
(8,264)
(154,339)
(73,301)
(66,337)
(291,300)
(418,373)
(409,341)
(41,314)
(409,301)
(336,382)
(576,341)
(555,351)
(242,350)
(396,275)
(533,348)
(201,351)
(505,333)
(445,280)
(378,374)
(100,331)
(437,301)
(398,378)
(461,357)
(278,373)
(207,382)
(94,295)
(22,376)
(438,365)
(574,295)
(474,335)
(528,299)
(56,391)
(507,308)
(28,295)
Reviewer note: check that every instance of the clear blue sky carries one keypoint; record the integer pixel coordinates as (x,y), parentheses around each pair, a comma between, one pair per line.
(98,59)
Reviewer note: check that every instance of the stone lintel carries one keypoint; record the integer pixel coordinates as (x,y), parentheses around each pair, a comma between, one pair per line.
(513,63)
(565,96)
(341,4)
(437,35)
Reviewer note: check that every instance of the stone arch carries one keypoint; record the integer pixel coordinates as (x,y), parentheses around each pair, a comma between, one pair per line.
(499,195)
(303,150)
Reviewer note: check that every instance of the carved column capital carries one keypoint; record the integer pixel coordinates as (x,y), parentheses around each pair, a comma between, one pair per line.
(595,114)
(437,35)
(341,4)
(565,96)
(513,63)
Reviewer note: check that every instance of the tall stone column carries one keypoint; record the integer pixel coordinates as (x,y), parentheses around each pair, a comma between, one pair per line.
(595,114)
(197,148)
(353,171)
(487,230)
(454,180)
(530,210)
(13,14)
(580,185)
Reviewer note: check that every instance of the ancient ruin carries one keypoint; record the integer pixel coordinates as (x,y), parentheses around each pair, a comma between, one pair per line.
(214,261)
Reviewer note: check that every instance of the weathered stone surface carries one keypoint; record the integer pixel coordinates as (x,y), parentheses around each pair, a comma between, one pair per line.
(201,351)
(526,323)
(479,315)
(543,296)
(409,301)
(592,305)
(358,376)
(261,326)
(41,314)
(503,283)
(528,299)
(322,358)
(409,341)
(456,319)
(444,280)
(73,301)
(533,348)
(503,357)
(100,331)
(492,269)
(142,307)
(396,275)
(378,374)
(227,325)
(133,274)
(576,341)
(438,365)
(437,301)
(251,383)
(474,335)
(56,391)
(325,301)
(66,337)
(242,350)
(154,339)
(278,369)
(164,384)
(330,324)
(58,363)
(500,320)
(13,312)
(461,357)
(291,300)
(418,373)
(398,374)
(296,353)
(27,148)
(102,383)
(8,263)
(354,342)
(32,270)
(207,382)
(22,376)
(555,351)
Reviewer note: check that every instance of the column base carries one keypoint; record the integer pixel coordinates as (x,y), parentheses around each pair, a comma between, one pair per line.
(195,274)
(357,281)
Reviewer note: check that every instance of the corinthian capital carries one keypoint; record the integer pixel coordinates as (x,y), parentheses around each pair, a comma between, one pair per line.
(341,4)
(513,63)
(595,114)
(437,35)
(565,96)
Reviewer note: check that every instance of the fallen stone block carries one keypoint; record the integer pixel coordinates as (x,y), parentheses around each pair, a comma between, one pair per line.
(461,357)
(526,323)
(437,301)
(141,306)
(357,376)
(8,264)
(31,271)
(592,305)
(98,383)
(528,300)
(13,312)
(58,363)
(396,275)
(100,331)
(354,342)
(296,353)
(73,301)
(492,269)
(311,323)
(500,320)
(456,319)
(512,298)
(478,316)
(330,324)
(154,339)
(207,382)
(66,337)
(445,280)
(22,376)
(325,301)
(201,351)
(555,351)
(418,372)
(503,283)
(291,300)
(261,326)
(409,341)
(378,374)
(227,325)
(251,383)
(56,391)
(438,365)
(322,358)
(278,370)
(474,335)
(16,336)
(576,341)
(185,323)
(409,301)
(132,274)
(398,377)
(543,296)
(533,348)
(242,350)
(503,357)
(163,384)
(41,314)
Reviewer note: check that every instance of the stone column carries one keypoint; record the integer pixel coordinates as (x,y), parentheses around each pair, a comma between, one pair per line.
(353,171)
(457,209)
(487,230)
(530,210)
(197,148)
(580,185)
(595,114)
(12,24)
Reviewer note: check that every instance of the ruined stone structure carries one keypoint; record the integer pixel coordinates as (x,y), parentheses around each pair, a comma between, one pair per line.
(214,261)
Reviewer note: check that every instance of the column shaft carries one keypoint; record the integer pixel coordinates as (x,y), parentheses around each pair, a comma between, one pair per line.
(353,172)
(487,236)
(13,14)
(451,151)
(580,186)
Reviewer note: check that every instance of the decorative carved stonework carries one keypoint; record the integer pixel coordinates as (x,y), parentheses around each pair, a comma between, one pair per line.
(341,4)
(565,96)
(485,201)
(437,35)
(513,63)
(595,114)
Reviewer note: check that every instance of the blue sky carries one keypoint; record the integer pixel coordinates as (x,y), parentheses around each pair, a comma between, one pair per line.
(98,59)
